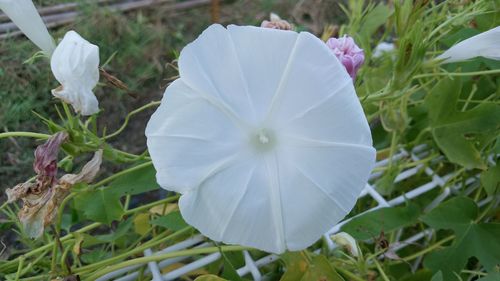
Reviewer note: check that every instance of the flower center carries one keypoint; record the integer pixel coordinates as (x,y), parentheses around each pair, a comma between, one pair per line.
(262,140)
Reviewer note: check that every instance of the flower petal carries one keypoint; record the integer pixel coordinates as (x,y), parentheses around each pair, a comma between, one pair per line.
(338,117)
(24,14)
(323,178)
(242,214)
(482,45)
(311,74)
(262,72)
(216,64)
(75,64)
(209,66)
(188,136)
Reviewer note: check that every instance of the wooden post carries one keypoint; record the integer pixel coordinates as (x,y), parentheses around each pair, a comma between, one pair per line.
(215,11)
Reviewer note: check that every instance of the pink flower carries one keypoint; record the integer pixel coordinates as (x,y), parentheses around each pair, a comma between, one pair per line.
(349,54)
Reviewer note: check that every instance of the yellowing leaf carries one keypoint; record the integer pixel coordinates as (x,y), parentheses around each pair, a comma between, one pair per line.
(77,247)
(299,268)
(172,267)
(141,224)
(209,277)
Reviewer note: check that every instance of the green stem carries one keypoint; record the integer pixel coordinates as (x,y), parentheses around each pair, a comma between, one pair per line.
(428,249)
(473,73)
(485,211)
(394,142)
(183,253)
(54,257)
(121,173)
(380,270)
(478,273)
(34,278)
(469,98)
(30,265)
(51,244)
(132,113)
(24,134)
(347,273)
(133,251)
(150,205)
(83,230)
(19,268)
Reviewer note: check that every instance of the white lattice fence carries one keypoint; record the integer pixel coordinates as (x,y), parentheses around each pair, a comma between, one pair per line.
(252,266)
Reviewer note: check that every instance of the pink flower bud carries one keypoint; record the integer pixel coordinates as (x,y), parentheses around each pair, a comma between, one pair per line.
(348,53)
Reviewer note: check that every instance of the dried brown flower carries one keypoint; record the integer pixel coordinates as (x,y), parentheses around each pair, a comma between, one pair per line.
(42,198)
(276,22)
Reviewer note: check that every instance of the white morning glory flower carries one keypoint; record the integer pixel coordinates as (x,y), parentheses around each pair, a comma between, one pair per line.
(486,44)
(24,14)
(75,64)
(264,137)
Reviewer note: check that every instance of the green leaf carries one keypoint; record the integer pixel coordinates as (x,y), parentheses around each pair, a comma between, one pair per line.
(385,185)
(100,205)
(120,231)
(172,221)
(136,182)
(296,266)
(420,275)
(458,36)
(321,269)
(300,267)
(438,276)
(209,277)
(494,276)
(456,214)
(490,180)
(95,255)
(369,225)
(473,239)
(229,271)
(374,19)
(87,239)
(458,133)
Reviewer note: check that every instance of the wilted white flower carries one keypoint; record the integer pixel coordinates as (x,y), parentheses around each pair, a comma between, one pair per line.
(264,137)
(346,241)
(24,14)
(486,44)
(75,64)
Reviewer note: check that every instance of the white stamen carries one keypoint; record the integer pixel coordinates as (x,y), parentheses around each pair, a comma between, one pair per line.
(263,138)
